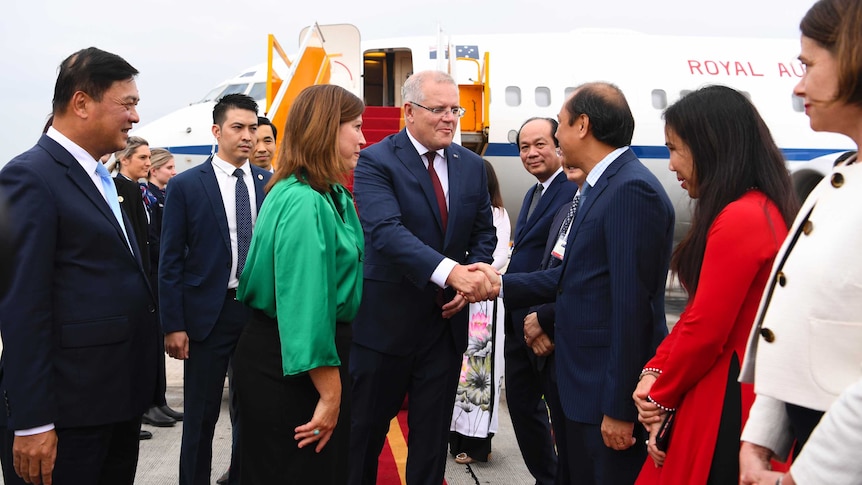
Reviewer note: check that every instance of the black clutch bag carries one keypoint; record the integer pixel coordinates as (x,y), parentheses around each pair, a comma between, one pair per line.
(662,439)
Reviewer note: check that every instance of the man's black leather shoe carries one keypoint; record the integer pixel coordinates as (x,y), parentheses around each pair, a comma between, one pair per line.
(222,480)
(155,417)
(145,435)
(167,411)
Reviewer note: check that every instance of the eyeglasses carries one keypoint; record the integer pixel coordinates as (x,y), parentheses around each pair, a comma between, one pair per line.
(457,111)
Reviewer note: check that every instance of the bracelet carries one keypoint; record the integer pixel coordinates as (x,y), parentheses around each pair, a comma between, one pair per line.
(649,371)
(668,410)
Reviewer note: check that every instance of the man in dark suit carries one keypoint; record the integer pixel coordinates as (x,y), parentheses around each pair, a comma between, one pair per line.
(538,325)
(425,210)
(206,231)
(538,149)
(79,326)
(609,289)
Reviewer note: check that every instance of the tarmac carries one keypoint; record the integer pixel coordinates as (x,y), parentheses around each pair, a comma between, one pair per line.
(159,457)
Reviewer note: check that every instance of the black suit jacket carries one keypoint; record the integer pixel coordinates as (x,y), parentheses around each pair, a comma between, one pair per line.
(132,203)
(79,323)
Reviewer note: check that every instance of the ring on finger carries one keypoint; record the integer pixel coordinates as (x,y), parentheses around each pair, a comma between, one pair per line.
(315,432)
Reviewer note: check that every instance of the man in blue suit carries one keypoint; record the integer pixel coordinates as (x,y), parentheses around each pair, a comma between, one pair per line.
(425,211)
(538,149)
(609,289)
(79,326)
(206,230)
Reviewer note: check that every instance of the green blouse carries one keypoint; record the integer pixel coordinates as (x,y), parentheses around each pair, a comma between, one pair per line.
(304,269)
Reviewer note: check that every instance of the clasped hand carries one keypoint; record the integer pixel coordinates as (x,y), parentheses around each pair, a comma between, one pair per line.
(475,282)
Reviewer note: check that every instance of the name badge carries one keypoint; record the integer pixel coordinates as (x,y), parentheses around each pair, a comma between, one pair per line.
(559,248)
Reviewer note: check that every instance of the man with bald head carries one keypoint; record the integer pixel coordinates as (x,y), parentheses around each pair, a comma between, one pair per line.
(609,289)
(525,395)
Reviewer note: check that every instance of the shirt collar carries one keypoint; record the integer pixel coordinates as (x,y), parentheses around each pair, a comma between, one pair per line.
(229,168)
(597,171)
(547,183)
(420,148)
(85,159)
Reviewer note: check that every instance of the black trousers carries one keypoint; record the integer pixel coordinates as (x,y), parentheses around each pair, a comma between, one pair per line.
(203,384)
(271,405)
(92,455)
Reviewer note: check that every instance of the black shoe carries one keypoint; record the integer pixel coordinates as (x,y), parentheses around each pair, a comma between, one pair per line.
(155,417)
(145,435)
(167,411)
(222,480)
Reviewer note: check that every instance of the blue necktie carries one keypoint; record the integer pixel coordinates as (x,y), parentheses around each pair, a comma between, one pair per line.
(243,221)
(112,198)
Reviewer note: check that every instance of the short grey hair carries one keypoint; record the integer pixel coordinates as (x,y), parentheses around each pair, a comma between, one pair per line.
(412,89)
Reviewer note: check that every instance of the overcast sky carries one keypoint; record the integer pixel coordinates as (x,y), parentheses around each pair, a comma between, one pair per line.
(185,47)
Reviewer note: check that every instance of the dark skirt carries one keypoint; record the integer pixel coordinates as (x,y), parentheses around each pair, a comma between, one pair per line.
(272,405)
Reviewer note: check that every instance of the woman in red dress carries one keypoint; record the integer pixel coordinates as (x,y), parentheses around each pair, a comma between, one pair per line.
(724,156)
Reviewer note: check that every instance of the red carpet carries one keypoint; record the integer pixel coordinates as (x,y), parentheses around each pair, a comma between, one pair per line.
(393,458)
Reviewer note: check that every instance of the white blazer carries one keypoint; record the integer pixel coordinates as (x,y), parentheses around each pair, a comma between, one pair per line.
(805,347)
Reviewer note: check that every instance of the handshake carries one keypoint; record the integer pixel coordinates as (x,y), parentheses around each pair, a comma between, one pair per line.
(475,282)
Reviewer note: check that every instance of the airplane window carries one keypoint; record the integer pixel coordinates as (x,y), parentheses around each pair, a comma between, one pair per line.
(543,96)
(213,95)
(798,103)
(746,94)
(684,92)
(568,92)
(659,99)
(234,89)
(258,91)
(513,96)
(248,74)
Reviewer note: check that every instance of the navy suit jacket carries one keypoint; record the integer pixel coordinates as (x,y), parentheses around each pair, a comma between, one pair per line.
(529,243)
(609,291)
(195,251)
(80,334)
(404,240)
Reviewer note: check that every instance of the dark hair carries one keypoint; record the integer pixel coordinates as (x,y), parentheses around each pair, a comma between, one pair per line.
(493,185)
(231,101)
(554,124)
(732,151)
(91,71)
(611,120)
(837,26)
(309,148)
(262,120)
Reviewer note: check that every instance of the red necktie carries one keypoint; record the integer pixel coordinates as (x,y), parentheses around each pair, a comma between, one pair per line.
(438,190)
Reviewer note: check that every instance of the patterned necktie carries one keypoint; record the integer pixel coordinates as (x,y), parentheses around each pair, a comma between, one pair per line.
(438,190)
(112,198)
(537,196)
(243,221)
(573,209)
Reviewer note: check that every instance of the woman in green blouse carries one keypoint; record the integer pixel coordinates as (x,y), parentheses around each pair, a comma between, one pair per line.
(303,278)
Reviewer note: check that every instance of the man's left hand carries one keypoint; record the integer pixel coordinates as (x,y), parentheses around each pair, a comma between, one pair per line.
(617,434)
(454,306)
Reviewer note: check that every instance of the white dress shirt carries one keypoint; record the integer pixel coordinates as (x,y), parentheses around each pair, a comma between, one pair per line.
(227,185)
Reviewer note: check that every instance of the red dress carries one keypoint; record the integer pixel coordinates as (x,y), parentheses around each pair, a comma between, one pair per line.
(695,358)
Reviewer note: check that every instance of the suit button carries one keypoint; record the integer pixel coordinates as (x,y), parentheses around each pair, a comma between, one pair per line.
(560,290)
(151,309)
(782,280)
(837,180)
(807,227)
(767,335)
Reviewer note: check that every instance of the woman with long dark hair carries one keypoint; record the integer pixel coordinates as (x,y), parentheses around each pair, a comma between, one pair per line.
(725,157)
(303,278)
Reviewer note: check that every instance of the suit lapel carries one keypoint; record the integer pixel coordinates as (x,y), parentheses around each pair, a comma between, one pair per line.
(547,196)
(259,184)
(81,179)
(455,189)
(213,193)
(405,152)
(521,223)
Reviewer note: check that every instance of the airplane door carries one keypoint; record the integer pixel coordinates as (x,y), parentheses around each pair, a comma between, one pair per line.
(385,71)
(342,44)
(403,70)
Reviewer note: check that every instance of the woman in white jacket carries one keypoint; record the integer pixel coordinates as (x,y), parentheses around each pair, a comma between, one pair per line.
(806,345)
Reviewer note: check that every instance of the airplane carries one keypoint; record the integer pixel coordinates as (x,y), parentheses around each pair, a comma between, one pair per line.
(506,79)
